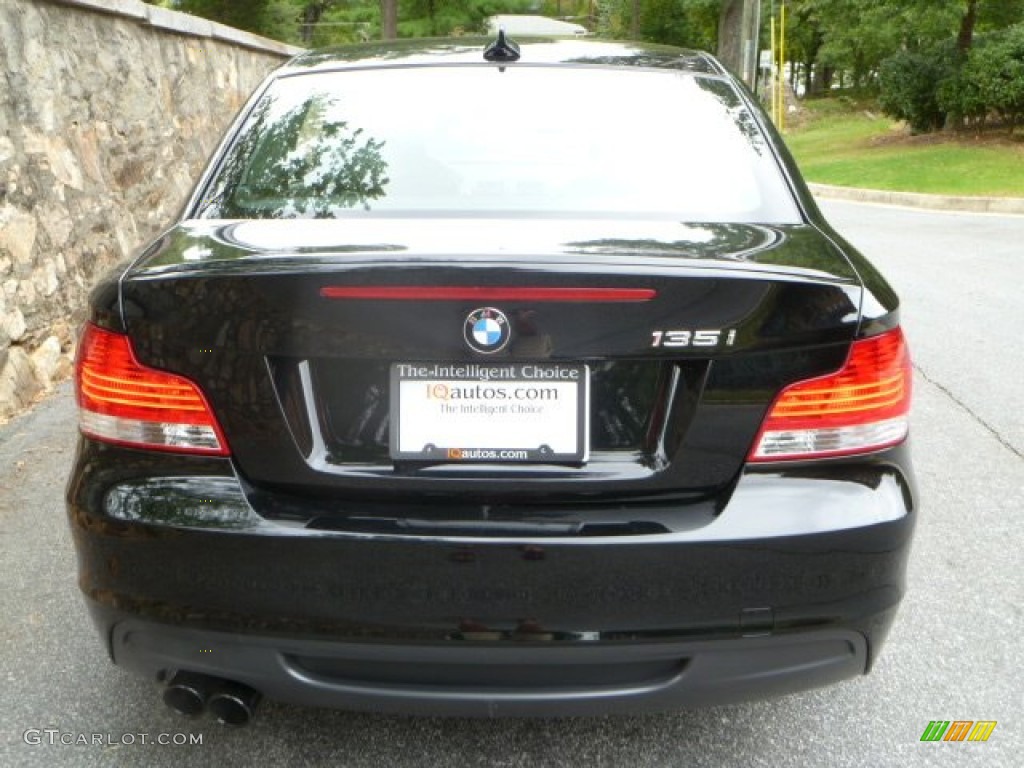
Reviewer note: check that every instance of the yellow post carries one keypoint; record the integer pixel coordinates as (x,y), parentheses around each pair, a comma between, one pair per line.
(782,67)
(774,89)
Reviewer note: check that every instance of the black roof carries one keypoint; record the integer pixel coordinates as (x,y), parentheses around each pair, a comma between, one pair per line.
(534,51)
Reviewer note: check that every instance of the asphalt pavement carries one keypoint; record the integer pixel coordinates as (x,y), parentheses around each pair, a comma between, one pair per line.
(961,280)
(954,653)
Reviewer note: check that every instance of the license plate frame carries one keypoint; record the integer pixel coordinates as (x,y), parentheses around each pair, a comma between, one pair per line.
(454,413)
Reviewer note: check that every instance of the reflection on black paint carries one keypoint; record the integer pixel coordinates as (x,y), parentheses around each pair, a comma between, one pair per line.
(732,242)
(204,502)
(635,57)
(299,165)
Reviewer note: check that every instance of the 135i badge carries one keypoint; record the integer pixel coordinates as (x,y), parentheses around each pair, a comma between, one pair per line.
(685,338)
(487,330)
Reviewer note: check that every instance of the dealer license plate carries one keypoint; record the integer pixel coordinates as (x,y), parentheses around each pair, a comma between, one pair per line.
(489,412)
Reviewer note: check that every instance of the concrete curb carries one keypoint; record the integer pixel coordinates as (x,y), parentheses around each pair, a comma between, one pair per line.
(1014,205)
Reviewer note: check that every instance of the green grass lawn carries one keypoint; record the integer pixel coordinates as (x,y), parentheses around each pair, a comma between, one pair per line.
(851,145)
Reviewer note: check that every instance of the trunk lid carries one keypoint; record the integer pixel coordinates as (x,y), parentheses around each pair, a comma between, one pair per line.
(301,380)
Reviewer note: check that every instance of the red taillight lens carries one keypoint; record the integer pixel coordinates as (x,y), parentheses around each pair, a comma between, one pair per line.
(122,401)
(862,407)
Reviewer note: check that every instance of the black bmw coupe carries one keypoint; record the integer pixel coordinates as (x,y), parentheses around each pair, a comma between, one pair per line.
(491,380)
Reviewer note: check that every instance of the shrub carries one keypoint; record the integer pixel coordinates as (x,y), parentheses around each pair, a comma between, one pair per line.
(909,83)
(994,75)
(960,96)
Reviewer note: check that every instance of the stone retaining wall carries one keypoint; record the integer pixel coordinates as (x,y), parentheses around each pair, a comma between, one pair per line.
(108,111)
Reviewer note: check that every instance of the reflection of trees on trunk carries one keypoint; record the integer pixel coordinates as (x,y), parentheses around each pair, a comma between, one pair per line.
(738,112)
(740,115)
(622,403)
(304,164)
(644,60)
(718,241)
(183,501)
(791,247)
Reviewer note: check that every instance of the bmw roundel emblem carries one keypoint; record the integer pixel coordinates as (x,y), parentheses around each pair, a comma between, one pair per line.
(487,330)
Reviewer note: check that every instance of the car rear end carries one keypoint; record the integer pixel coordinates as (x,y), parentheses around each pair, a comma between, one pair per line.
(470,449)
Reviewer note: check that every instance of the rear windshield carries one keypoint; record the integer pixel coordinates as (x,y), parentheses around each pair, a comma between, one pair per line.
(476,140)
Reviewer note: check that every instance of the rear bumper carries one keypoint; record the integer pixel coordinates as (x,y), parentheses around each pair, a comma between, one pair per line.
(792,584)
(527,680)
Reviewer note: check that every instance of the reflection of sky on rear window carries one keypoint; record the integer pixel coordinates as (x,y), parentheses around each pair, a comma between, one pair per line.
(545,139)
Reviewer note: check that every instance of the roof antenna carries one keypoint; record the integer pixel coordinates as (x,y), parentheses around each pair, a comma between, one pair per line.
(502,49)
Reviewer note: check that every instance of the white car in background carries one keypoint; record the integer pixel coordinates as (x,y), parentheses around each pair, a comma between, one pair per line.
(534,26)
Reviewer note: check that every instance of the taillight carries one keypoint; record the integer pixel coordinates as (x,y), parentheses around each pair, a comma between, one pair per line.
(862,407)
(122,401)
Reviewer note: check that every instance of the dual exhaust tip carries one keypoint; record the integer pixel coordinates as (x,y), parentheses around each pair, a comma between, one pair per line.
(192,693)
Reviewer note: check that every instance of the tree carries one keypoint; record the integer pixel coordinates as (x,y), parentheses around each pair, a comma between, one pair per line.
(855,36)
(311,15)
(388,19)
(804,40)
(250,15)
(444,18)
(958,81)
(994,75)
(686,23)
(730,34)
(965,38)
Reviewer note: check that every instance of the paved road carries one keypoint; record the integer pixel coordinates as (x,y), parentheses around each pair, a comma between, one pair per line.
(961,278)
(955,652)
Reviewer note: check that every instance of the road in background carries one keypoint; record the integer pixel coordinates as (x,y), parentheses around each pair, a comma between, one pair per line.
(954,653)
(961,279)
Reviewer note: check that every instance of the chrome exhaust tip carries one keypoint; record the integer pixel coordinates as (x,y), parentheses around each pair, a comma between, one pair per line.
(234,703)
(187,693)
